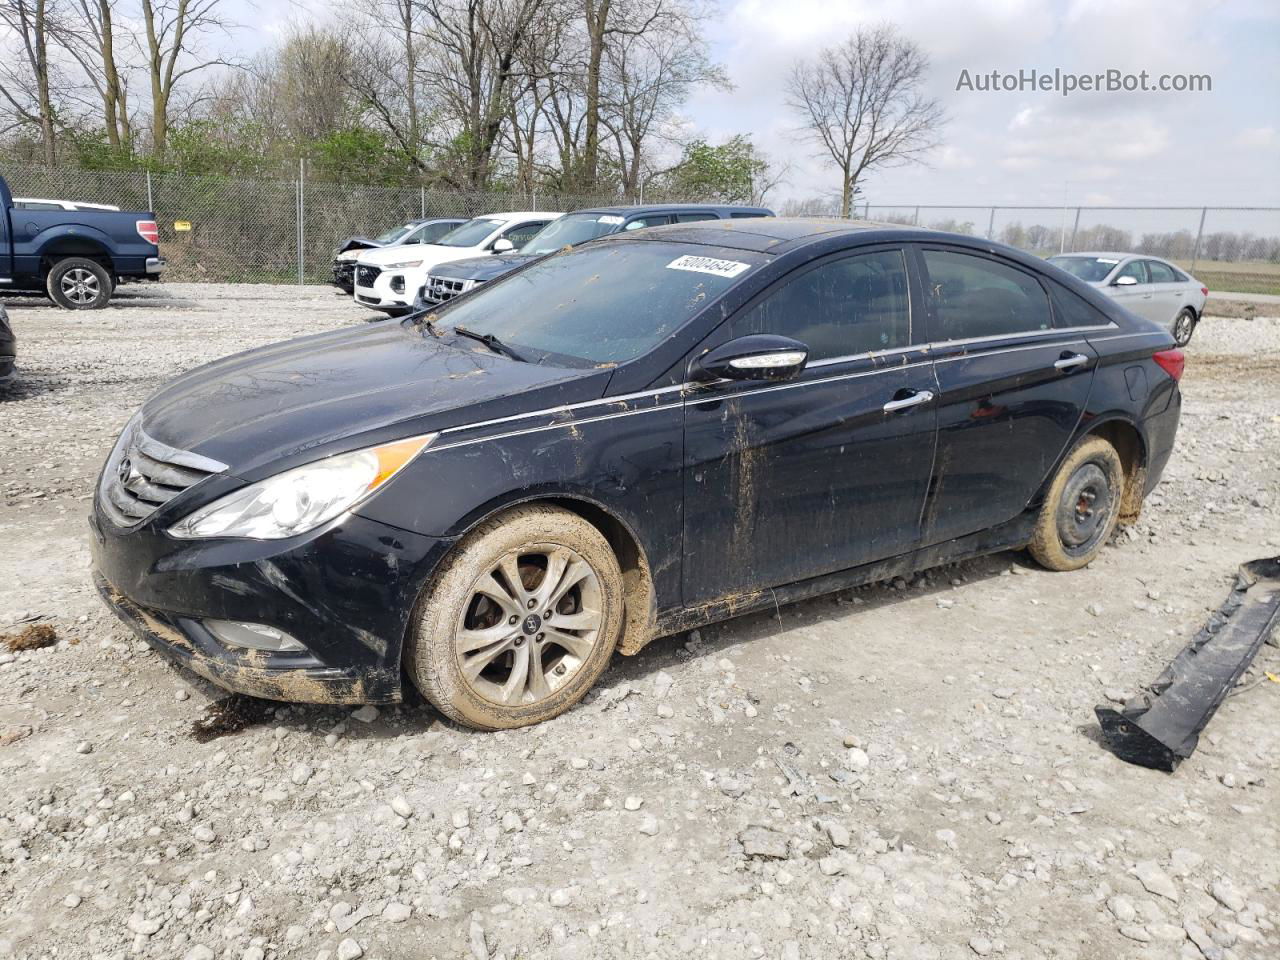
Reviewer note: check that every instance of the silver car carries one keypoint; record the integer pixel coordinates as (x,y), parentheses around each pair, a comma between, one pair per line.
(1148,286)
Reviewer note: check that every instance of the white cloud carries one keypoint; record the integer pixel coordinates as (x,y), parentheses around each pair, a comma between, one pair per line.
(1265,137)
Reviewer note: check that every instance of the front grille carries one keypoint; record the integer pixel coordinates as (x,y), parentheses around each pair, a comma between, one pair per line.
(440,289)
(143,474)
(366,275)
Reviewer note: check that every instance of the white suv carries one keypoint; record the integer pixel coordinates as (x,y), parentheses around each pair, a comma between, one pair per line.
(388,279)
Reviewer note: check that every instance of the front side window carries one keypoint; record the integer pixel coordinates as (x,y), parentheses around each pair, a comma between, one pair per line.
(522,233)
(1160,272)
(1133,269)
(601,303)
(856,304)
(639,223)
(470,234)
(973,296)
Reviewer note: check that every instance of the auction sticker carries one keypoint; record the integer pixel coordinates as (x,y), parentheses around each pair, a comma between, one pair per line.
(717,268)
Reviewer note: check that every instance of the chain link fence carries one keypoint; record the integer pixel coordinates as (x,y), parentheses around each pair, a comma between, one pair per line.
(286,230)
(1230,249)
(270,231)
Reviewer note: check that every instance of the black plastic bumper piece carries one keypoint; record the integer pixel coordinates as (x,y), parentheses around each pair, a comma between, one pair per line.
(1161,729)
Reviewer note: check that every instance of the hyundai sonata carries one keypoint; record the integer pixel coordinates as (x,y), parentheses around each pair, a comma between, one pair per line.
(647,433)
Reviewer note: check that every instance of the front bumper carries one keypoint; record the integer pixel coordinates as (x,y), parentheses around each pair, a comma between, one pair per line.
(346,594)
(393,291)
(344,275)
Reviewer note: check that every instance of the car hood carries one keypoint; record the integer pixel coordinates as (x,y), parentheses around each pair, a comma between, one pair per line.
(428,253)
(348,389)
(482,269)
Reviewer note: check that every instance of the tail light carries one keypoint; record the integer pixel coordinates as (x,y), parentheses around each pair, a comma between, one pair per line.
(148,231)
(1205,291)
(1171,362)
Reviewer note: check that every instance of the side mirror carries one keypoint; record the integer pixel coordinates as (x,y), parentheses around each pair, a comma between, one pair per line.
(761,356)
(503,245)
(1125,281)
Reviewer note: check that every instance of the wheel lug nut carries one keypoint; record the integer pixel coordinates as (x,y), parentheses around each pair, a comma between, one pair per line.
(560,670)
(531,604)
(519,641)
(513,619)
(547,615)
(540,637)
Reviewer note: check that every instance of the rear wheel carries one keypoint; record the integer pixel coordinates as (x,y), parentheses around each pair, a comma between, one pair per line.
(520,622)
(77,283)
(1081,508)
(1184,325)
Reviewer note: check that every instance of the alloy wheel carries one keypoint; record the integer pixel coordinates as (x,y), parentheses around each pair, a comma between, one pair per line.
(80,286)
(529,624)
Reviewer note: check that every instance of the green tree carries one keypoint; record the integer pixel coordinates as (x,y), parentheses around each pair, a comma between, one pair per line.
(733,172)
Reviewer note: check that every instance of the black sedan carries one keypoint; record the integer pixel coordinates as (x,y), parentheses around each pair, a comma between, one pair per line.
(623,441)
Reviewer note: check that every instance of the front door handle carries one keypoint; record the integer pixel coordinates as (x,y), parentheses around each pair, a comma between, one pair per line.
(1068,363)
(914,399)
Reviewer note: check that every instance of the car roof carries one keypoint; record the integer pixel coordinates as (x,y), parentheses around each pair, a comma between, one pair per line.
(520,215)
(632,210)
(775,234)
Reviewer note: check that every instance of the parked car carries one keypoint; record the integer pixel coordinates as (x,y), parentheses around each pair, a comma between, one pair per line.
(428,230)
(646,433)
(8,349)
(76,256)
(40,203)
(389,279)
(1150,287)
(448,280)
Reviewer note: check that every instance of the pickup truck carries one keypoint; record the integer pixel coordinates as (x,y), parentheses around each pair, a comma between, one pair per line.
(77,257)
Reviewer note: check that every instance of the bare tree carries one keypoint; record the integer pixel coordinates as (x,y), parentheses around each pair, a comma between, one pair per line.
(26,86)
(89,36)
(173,30)
(861,101)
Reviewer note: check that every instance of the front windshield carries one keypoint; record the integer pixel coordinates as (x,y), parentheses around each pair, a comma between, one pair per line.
(470,233)
(602,304)
(394,234)
(1090,269)
(571,230)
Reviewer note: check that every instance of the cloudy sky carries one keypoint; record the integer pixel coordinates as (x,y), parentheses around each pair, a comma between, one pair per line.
(1219,147)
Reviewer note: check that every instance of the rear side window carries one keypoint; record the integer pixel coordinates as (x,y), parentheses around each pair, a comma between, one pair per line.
(1072,310)
(1134,269)
(972,296)
(745,215)
(1160,273)
(852,305)
(694,217)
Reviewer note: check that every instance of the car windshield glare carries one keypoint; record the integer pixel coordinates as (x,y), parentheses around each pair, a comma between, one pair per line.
(602,304)
(470,233)
(1090,269)
(571,230)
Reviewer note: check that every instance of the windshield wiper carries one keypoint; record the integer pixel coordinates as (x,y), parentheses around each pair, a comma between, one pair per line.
(493,343)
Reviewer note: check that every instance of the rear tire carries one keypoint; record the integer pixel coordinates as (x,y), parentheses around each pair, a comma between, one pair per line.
(77,283)
(1184,325)
(494,654)
(1081,507)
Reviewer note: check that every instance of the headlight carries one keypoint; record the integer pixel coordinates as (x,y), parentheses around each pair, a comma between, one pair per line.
(349,254)
(301,499)
(402,265)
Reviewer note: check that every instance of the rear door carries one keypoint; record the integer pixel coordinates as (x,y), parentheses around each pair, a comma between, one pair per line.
(1012,388)
(785,481)
(1167,294)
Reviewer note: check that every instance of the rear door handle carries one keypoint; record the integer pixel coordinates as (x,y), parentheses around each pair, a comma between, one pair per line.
(1069,363)
(913,400)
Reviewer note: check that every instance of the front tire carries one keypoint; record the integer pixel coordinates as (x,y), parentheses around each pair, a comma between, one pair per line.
(520,622)
(1184,325)
(77,283)
(1081,508)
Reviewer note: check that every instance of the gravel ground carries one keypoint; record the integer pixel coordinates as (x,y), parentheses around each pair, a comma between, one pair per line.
(907,770)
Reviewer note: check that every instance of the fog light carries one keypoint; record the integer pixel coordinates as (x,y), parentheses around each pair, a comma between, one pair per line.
(252,636)
(397,284)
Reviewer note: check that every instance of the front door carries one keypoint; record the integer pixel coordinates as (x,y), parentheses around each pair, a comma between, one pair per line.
(1134,296)
(1012,389)
(790,480)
